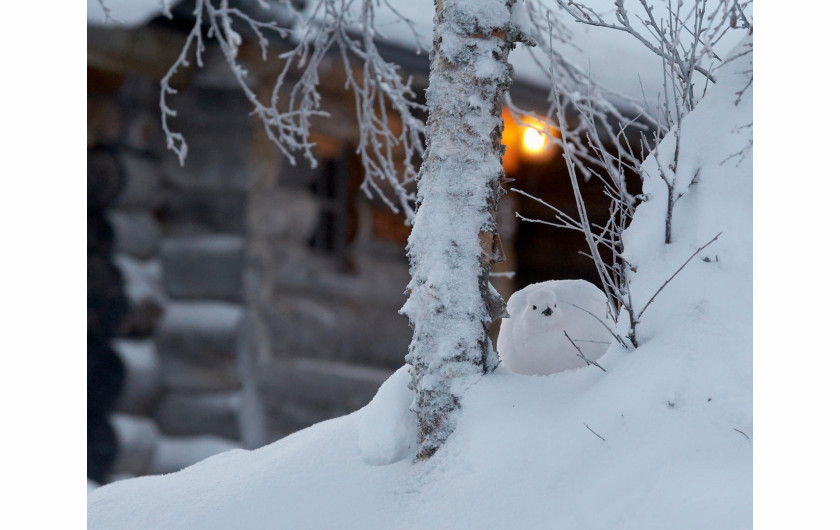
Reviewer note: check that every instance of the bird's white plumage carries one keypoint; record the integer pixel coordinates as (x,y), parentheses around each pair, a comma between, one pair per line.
(531,341)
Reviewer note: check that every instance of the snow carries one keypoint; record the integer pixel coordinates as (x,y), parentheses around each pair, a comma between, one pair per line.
(127,13)
(137,439)
(145,451)
(662,440)
(387,429)
(519,17)
(533,341)
(173,453)
(143,279)
(143,376)
(486,14)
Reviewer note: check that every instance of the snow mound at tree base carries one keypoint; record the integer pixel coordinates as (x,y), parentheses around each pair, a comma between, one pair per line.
(662,440)
(522,457)
(388,428)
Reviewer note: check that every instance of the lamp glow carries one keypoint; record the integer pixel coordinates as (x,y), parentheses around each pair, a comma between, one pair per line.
(534,141)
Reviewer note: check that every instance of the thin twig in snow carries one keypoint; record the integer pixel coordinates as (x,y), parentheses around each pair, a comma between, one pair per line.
(595,433)
(742,432)
(677,272)
(581,355)
(593,315)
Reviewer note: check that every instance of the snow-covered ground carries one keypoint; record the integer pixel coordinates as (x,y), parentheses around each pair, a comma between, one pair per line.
(662,440)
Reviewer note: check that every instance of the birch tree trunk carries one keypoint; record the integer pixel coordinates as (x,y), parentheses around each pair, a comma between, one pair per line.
(454,241)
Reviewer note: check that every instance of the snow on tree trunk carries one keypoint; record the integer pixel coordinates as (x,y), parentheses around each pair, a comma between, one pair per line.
(454,241)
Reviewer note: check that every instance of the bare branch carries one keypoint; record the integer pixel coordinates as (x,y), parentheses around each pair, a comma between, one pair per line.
(588,16)
(744,152)
(389,149)
(107,10)
(677,272)
(581,355)
(742,432)
(593,315)
(506,274)
(595,433)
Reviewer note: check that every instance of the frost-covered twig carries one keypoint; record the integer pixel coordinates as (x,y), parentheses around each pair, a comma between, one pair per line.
(389,149)
(594,141)
(107,10)
(506,274)
(744,151)
(660,41)
(581,355)
(166,8)
(585,149)
(684,38)
(739,15)
(668,175)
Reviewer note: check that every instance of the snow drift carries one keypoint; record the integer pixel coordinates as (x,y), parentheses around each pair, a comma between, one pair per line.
(660,441)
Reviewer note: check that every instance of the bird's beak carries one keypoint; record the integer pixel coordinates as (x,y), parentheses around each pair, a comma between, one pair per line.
(547,312)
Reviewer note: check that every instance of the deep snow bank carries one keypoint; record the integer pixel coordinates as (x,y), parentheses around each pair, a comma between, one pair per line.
(661,441)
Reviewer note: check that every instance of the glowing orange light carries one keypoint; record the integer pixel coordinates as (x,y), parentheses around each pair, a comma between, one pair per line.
(533,141)
(510,137)
(526,140)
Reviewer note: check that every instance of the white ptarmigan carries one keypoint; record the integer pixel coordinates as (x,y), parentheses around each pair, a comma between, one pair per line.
(531,341)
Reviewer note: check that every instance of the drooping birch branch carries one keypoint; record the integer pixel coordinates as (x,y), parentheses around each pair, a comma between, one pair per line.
(388,149)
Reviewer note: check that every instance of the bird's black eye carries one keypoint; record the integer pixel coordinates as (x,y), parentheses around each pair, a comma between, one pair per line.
(535,307)
(555,305)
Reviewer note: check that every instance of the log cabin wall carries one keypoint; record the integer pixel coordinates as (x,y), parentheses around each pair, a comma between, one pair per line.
(263,295)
